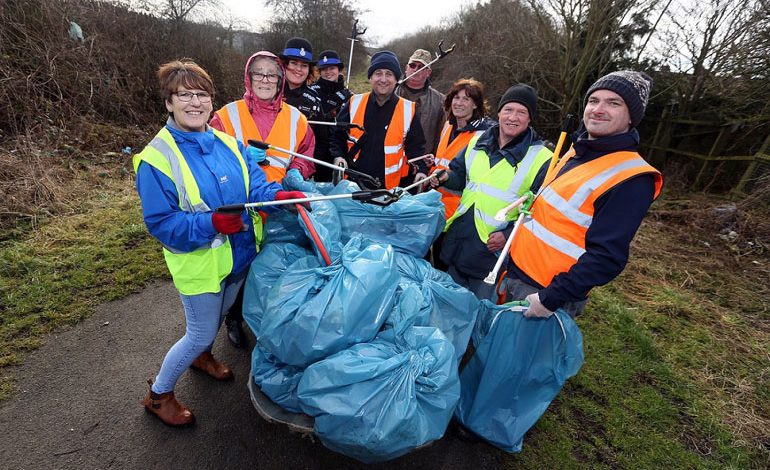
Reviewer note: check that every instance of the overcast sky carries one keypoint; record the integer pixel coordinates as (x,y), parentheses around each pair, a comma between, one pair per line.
(386,19)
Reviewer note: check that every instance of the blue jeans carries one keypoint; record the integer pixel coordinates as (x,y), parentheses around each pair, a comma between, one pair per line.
(481,289)
(203,314)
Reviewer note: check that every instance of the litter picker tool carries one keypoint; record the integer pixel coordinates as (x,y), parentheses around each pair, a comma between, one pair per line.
(363,178)
(398,192)
(565,127)
(369,197)
(439,55)
(416,159)
(526,201)
(353,38)
(346,125)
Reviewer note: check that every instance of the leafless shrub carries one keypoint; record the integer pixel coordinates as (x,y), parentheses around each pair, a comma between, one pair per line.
(65,103)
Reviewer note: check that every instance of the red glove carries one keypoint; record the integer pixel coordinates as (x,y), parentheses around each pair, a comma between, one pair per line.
(227,224)
(283,195)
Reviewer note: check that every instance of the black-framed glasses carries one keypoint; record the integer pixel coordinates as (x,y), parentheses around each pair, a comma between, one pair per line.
(271,77)
(415,65)
(187,96)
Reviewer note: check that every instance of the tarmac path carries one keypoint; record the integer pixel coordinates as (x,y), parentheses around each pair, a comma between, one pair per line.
(78,405)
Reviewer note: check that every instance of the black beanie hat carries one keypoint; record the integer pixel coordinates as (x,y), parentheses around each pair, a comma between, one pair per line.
(298,49)
(384,60)
(522,94)
(633,87)
(328,58)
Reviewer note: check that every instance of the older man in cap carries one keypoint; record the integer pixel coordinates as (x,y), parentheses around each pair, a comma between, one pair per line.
(392,124)
(592,204)
(495,169)
(429,101)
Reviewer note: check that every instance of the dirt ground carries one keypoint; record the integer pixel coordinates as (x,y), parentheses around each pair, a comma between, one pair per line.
(78,405)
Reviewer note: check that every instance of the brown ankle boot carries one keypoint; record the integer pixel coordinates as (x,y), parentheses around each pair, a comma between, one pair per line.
(207,364)
(166,408)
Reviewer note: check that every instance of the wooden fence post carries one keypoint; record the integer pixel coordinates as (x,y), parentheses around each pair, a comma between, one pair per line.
(752,166)
(715,148)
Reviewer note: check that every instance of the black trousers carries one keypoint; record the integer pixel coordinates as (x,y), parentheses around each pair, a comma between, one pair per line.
(236,311)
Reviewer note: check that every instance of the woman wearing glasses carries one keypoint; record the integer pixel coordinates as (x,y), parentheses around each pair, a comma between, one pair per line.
(263,115)
(184,173)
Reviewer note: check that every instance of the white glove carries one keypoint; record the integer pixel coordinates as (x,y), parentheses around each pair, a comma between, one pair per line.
(536,309)
(339,161)
(435,181)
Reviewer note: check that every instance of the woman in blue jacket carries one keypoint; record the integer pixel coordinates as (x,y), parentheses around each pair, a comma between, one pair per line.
(184,173)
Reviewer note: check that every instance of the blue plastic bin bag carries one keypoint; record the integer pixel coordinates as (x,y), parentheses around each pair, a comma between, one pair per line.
(283,227)
(518,368)
(377,401)
(487,314)
(326,222)
(265,270)
(277,381)
(409,225)
(316,311)
(446,305)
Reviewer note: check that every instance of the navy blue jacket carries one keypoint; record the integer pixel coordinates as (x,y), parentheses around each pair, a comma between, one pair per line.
(617,216)
(333,96)
(462,247)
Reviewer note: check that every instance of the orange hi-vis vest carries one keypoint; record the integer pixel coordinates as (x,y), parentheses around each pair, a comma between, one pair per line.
(445,153)
(288,132)
(395,163)
(552,239)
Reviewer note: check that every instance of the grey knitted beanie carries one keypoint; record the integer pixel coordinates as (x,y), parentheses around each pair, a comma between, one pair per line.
(633,87)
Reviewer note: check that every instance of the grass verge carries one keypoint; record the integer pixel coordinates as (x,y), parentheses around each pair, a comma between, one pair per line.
(65,268)
(677,370)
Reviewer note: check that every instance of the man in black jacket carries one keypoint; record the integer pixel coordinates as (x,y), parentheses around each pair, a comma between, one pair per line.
(382,151)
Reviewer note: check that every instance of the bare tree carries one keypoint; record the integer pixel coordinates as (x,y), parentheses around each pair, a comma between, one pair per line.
(707,37)
(588,37)
(180,10)
(325,23)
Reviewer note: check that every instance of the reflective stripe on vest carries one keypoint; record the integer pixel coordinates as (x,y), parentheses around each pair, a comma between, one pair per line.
(288,132)
(490,189)
(200,271)
(235,120)
(447,151)
(552,239)
(393,147)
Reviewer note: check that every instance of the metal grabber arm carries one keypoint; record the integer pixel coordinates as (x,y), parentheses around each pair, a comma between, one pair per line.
(365,180)
(439,55)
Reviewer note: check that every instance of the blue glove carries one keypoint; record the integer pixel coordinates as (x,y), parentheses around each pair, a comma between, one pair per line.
(256,154)
(293,178)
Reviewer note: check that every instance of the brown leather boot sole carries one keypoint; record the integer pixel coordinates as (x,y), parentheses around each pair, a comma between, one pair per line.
(210,366)
(166,407)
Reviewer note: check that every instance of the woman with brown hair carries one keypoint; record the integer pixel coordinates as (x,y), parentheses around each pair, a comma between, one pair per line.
(467,110)
(186,171)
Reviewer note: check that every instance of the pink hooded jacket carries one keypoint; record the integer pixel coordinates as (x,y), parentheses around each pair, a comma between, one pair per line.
(264,115)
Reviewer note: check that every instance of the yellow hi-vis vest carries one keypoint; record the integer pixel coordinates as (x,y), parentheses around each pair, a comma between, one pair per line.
(490,189)
(200,271)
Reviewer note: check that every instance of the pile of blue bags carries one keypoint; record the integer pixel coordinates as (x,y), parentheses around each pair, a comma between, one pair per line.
(369,345)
